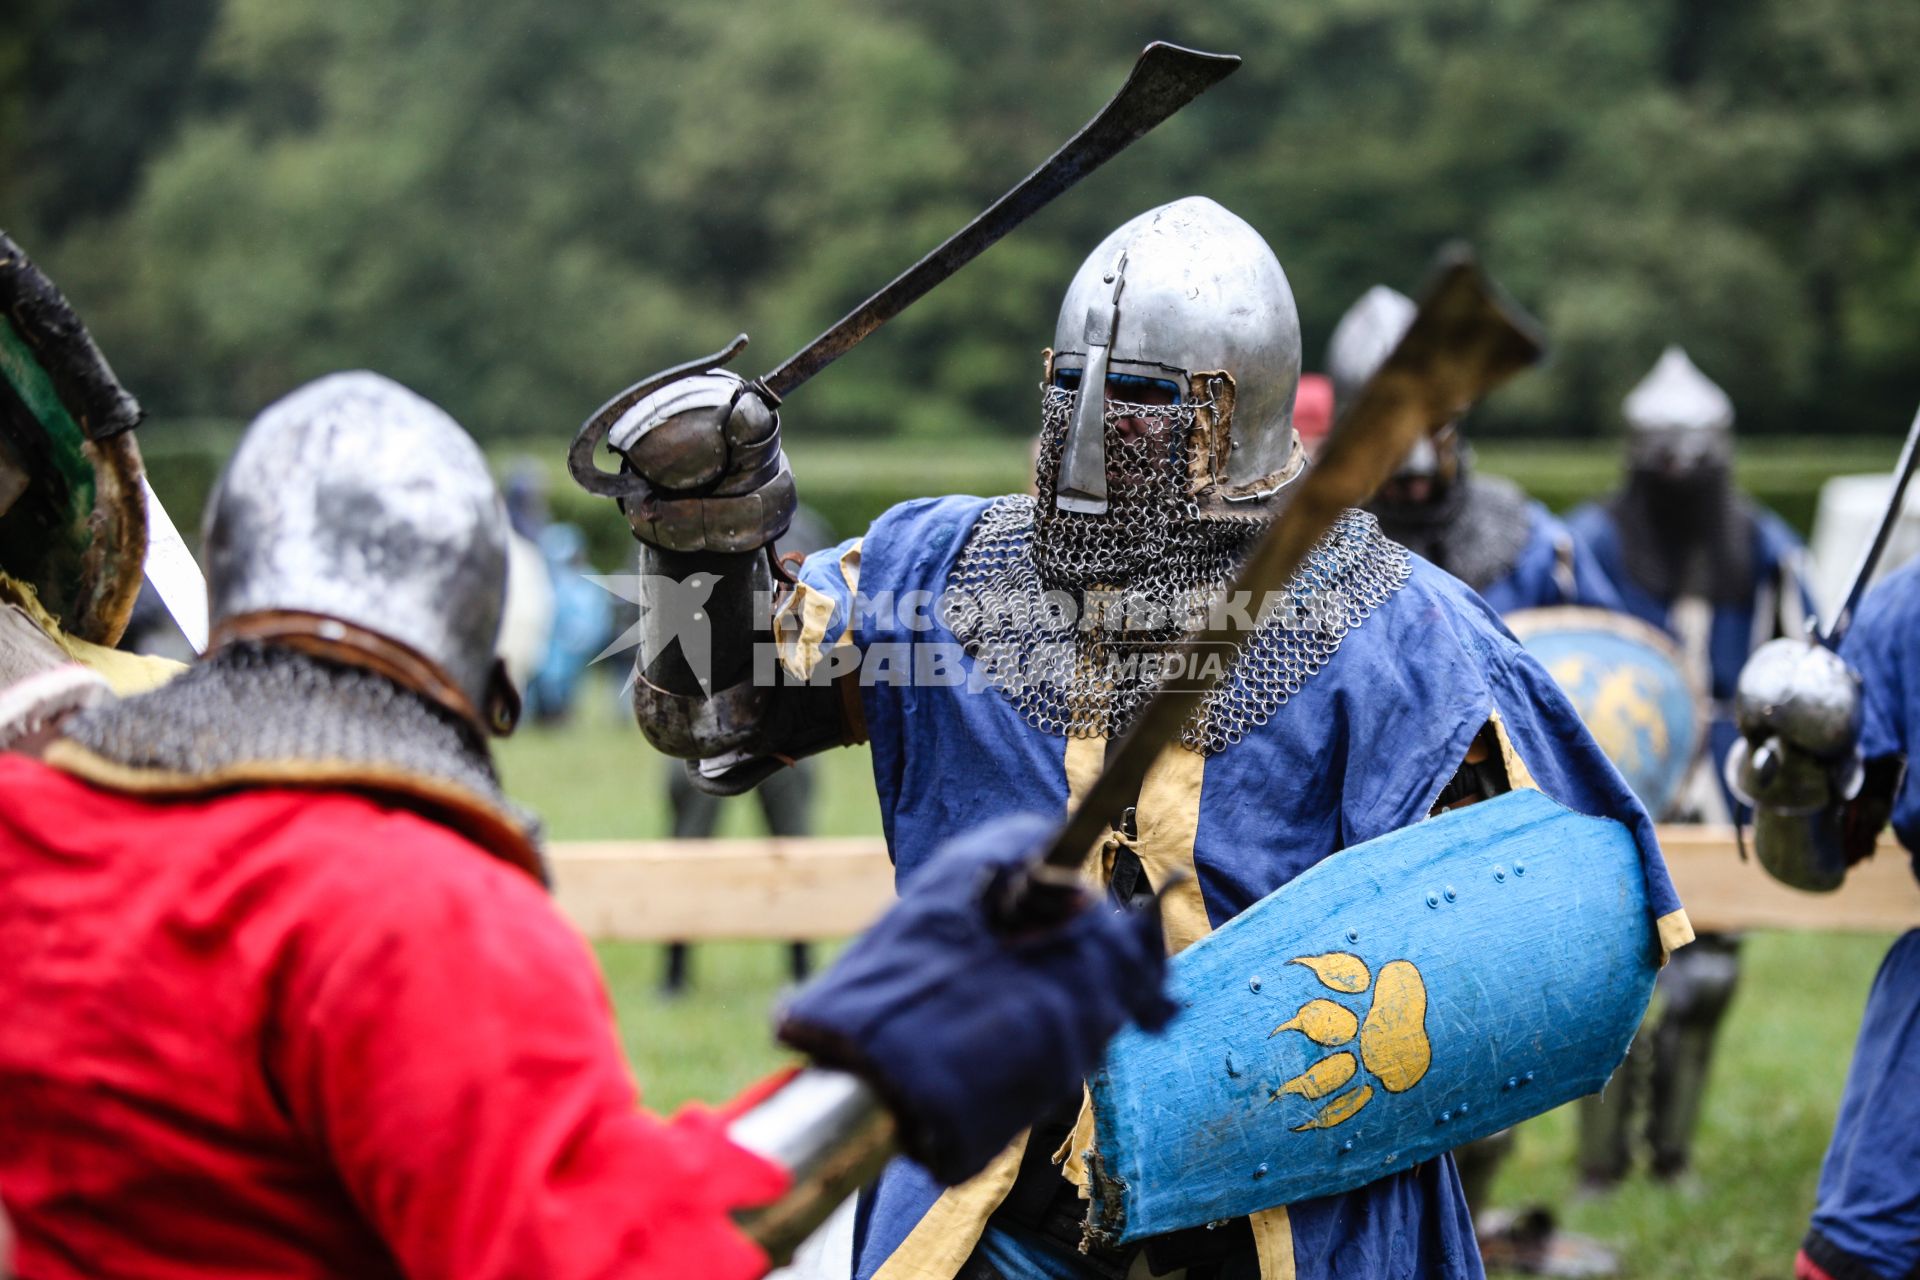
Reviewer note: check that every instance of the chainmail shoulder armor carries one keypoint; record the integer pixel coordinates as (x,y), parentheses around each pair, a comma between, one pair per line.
(1478,538)
(264,716)
(1051,652)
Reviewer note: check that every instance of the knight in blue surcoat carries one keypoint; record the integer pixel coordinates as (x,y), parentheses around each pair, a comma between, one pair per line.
(1688,552)
(991,649)
(1481,528)
(1722,575)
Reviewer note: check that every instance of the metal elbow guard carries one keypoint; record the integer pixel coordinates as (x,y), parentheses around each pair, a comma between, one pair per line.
(1802,693)
(1797,762)
(1797,802)
(693,727)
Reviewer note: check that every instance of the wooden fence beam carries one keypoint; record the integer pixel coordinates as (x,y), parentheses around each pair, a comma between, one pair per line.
(1723,894)
(692,890)
(831,887)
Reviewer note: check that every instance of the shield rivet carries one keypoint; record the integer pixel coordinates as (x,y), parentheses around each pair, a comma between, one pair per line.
(1353,935)
(1519,868)
(1253,983)
(1433,899)
(1450,893)
(1445,1116)
(1513,1082)
(1527,1078)
(1260,1172)
(1499,873)
(1346,1146)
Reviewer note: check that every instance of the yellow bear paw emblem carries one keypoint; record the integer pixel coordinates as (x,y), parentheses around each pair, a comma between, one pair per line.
(1393,1036)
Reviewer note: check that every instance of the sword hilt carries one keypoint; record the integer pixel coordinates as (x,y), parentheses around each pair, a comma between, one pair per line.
(626,486)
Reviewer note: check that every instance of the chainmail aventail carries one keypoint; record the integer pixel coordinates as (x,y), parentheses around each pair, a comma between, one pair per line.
(1073,616)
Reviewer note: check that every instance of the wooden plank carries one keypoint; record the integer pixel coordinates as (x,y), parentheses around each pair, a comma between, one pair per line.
(657,890)
(1723,893)
(691,890)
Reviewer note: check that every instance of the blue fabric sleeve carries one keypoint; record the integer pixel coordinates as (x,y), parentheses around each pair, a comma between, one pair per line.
(1868,1206)
(1591,586)
(1883,647)
(816,616)
(1569,766)
(1555,568)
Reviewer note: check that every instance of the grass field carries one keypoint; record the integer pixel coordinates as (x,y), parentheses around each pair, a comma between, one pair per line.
(1776,1082)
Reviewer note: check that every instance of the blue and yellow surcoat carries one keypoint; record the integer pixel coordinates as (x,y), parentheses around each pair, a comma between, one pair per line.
(1364,747)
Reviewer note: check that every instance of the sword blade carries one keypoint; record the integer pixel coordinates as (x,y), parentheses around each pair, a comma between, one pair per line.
(1465,341)
(174,574)
(1871,553)
(1164,79)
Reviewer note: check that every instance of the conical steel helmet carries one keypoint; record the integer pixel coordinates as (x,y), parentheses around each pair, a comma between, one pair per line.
(355,499)
(1677,417)
(1364,338)
(1191,295)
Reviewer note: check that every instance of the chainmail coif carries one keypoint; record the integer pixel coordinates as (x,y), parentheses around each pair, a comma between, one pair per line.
(1688,535)
(1058,609)
(1476,533)
(257,704)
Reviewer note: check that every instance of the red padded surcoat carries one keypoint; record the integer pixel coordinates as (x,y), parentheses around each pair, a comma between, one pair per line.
(300,1033)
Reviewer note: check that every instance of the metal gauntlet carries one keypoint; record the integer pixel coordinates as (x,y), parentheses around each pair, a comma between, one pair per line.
(1797,762)
(706,687)
(693,692)
(709,446)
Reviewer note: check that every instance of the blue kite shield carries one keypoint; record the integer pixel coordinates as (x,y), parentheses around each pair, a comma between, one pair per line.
(1398,999)
(1628,681)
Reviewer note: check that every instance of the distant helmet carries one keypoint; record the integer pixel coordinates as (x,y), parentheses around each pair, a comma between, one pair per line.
(1678,420)
(1189,295)
(1361,343)
(1364,338)
(353,500)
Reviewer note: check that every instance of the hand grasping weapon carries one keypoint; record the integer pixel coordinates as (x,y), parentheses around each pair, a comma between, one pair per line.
(1165,79)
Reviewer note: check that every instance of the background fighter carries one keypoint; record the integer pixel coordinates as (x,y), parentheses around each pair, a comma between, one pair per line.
(1689,554)
(1380,692)
(286,995)
(1480,528)
(1517,555)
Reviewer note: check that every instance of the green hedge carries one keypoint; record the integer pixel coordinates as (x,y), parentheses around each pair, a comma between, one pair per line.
(850,484)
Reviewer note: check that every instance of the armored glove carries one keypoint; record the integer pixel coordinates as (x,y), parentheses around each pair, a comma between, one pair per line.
(969,1035)
(710,447)
(1797,761)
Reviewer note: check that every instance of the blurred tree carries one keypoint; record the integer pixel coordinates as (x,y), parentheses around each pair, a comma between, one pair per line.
(90,90)
(520,207)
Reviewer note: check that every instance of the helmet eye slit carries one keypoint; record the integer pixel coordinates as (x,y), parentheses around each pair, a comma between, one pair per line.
(1126,388)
